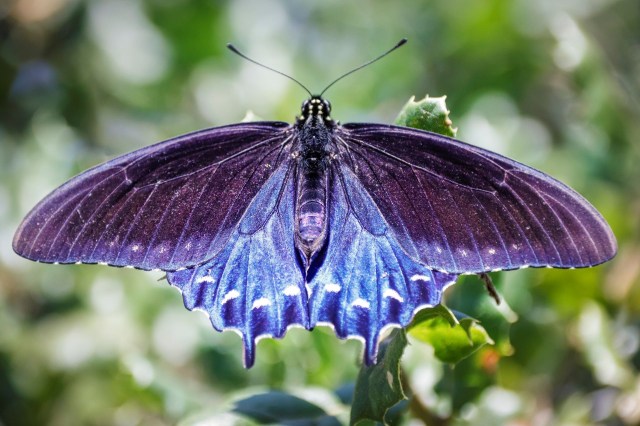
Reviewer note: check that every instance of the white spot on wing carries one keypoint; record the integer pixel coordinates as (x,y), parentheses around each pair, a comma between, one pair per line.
(332,288)
(259,303)
(361,303)
(292,290)
(135,247)
(390,379)
(230,296)
(492,251)
(205,279)
(417,277)
(392,294)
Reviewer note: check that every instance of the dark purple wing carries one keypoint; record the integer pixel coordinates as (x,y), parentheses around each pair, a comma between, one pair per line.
(167,206)
(458,208)
(254,285)
(366,282)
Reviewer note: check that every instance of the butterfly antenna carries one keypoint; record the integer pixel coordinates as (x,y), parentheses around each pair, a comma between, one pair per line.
(232,48)
(399,44)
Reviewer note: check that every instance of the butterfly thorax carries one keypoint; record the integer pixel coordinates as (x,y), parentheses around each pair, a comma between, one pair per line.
(314,131)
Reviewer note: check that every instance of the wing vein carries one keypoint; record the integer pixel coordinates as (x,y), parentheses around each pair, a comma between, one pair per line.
(407,163)
(217,163)
(438,220)
(133,222)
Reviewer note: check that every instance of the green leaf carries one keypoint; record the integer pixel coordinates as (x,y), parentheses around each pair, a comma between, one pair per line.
(451,342)
(471,298)
(283,408)
(378,387)
(427,114)
(438,311)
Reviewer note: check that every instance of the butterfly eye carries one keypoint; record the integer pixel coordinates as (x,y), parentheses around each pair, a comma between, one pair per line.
(327,105)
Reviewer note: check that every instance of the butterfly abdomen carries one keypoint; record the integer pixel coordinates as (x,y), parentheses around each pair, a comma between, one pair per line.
(311,200)
(311,204)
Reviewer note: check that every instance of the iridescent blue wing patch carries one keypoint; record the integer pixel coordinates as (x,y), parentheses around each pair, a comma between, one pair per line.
(254,286)
(366,282)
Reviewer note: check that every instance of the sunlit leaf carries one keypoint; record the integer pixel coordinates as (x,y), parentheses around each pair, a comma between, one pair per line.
(451,343)
(427,114)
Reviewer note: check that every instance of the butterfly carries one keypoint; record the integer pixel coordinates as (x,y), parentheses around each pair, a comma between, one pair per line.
(269,225)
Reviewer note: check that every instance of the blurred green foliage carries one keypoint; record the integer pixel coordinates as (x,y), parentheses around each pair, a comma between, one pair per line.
(555,85)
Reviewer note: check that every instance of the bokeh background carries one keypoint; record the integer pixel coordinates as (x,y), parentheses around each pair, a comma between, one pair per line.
(552,83)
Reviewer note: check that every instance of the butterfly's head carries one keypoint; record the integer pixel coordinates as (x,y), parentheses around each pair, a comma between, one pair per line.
(317,107)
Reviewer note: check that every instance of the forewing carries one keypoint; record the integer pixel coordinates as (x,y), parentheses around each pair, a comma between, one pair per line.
(366,282)
(167,206)
(254,285)
(462,209)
